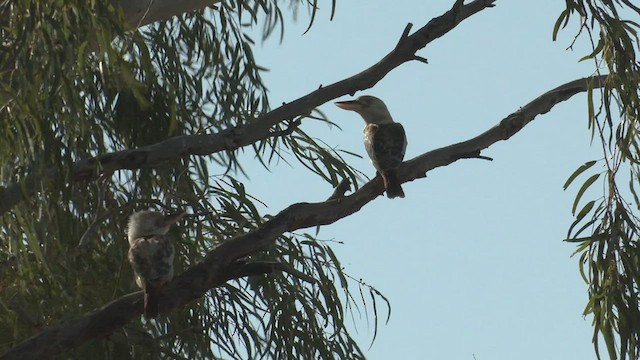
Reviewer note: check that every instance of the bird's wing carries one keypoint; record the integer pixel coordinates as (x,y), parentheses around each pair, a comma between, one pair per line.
(385,144)
(152,260)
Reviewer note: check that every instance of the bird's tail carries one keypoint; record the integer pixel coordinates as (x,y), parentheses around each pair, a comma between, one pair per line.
(150,303)
(392,184)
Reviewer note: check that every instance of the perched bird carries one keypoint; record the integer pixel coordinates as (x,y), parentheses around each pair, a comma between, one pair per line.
(151,254)
(384,140)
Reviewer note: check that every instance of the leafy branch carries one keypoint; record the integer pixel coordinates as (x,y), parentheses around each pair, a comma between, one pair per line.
(260,128)
(221,264)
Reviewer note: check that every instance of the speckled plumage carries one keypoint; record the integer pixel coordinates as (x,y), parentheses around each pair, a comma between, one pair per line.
(151,254)
(384,140)
(386,145)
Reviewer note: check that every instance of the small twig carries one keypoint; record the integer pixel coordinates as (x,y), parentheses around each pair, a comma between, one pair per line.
(475,155)
(146,12)
(265,267)
(340,190)
(583,25)
(405,34)
(86,238)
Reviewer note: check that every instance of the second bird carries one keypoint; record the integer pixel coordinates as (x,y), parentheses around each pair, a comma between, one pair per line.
(384,140)
(151,254)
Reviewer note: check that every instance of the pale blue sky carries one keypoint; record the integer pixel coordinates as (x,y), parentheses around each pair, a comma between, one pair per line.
(472,259)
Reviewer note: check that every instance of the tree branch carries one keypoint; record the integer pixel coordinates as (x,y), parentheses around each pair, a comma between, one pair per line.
(509,126)
(259,129)
(340,190)
(219,265)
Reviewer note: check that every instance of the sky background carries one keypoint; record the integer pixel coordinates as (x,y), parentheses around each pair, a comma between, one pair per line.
(472,260)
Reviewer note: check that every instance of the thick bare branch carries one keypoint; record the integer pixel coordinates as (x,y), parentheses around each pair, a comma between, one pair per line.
(417,167)
(259,129)
(221,263)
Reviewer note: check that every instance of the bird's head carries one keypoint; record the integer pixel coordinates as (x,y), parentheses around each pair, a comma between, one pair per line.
(146,223)
(372,109)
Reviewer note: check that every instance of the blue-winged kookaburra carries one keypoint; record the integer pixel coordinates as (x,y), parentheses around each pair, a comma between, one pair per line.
(384,140)
(151,254)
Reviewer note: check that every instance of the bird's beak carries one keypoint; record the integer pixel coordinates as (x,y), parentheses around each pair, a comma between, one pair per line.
(354,105)
(173,219)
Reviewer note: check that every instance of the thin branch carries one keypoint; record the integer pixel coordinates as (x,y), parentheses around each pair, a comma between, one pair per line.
(266,267)
(476,155)
(420,59)
(231,139)
(90,234)
(213,271)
